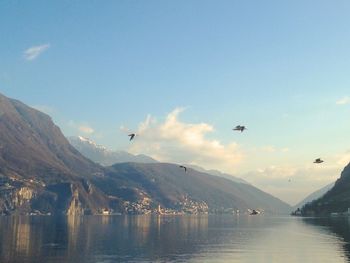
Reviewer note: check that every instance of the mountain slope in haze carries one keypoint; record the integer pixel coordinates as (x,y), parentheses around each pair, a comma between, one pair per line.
(337,199)
(171,186)
(218,173)
(104,156)
(313,196)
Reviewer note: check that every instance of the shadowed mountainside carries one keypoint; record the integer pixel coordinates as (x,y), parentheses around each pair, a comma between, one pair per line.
(335,200)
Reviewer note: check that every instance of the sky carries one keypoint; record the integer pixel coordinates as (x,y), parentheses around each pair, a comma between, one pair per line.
(182,74)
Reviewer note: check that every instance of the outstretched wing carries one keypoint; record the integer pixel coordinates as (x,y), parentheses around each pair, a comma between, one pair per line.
(132,135)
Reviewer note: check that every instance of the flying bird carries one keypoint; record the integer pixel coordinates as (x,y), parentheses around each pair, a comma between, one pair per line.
(132,136)
(184,167)
(318,160)
(239,128)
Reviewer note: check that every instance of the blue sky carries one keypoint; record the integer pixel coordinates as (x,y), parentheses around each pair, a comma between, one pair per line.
(279,67)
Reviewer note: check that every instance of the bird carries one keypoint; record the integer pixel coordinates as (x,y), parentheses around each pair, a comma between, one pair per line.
(132,136)
(184,167)
(254,212)
(239,128)
(318,160)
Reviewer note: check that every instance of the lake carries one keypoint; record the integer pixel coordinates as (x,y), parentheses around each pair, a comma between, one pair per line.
(195,238)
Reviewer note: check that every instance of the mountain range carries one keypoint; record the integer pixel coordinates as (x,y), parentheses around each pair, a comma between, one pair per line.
(104,156)
(42,173)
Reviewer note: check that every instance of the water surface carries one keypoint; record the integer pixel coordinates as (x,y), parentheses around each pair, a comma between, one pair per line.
(198,238)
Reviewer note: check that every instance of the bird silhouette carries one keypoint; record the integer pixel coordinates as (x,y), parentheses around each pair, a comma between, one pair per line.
(184,167)
(132,136)
(239,128)
(318,160)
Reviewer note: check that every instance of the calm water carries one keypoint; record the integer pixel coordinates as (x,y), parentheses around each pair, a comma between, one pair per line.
(173,239)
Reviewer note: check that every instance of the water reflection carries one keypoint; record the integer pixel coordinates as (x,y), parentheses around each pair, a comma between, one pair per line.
(339,227)
(179,238)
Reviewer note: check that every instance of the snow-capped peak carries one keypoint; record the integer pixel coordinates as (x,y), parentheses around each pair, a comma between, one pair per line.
(92,143)
(83,139)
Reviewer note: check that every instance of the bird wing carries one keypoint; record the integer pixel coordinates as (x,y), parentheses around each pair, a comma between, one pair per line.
(181,166)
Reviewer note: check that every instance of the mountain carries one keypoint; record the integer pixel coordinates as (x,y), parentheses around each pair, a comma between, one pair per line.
(218,173)
(170,186)
(313,196)
(100,154)
(39,169)
(104,156)
(336,200)
(41,173)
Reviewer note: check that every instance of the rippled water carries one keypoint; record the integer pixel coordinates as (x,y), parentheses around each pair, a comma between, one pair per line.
(174,239)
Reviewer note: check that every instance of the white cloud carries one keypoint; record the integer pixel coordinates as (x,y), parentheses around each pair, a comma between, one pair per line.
(34,52)
(343,101)
(81,127)
(180,142)
(86,129)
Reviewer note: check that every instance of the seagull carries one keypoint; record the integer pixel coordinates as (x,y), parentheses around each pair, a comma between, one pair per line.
(318,160)
(132,136)
(239,128)
(184,167)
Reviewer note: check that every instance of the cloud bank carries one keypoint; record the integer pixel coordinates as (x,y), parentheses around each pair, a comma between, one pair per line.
(175,141)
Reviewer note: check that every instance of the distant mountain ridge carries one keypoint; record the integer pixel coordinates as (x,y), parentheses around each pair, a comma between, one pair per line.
(104,156)
(313,196)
